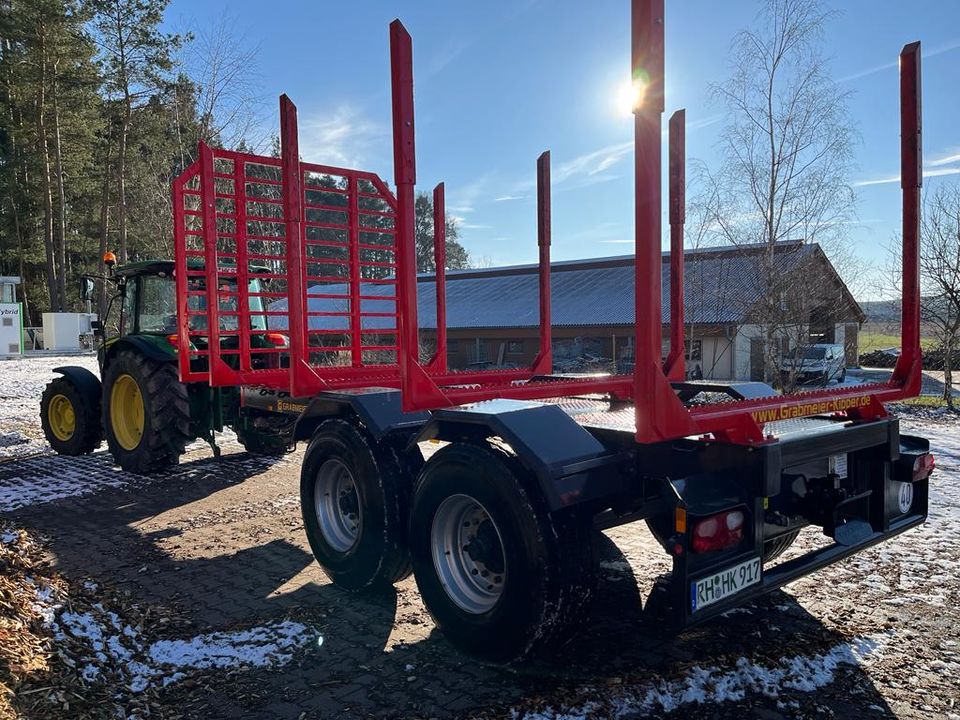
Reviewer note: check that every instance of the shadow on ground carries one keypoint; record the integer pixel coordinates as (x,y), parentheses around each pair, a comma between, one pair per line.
(380,655)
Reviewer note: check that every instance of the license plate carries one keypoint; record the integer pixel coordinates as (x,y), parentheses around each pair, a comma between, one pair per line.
(729,581)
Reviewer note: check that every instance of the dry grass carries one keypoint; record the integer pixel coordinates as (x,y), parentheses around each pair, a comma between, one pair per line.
(25,649)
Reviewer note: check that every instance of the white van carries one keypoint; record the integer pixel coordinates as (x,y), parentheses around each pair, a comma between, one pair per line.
(818,364)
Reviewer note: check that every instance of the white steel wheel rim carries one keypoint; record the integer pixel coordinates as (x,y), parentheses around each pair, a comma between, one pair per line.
(337,505)
(468,554)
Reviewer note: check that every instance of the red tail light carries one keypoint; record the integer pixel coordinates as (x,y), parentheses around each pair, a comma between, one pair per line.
(174,341)
(718,532)
(278,340)
(923,466)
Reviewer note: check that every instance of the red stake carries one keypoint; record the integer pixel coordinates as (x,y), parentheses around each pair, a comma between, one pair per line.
(676,360)
(908,370)
(438,364)
(543,363)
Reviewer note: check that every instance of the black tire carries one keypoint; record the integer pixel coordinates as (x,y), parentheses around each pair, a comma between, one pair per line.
(775,547)
(270,434)
(87,432)
(379,554)
(166,407)
(539,605)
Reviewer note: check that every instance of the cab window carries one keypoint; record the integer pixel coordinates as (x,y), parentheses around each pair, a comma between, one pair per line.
(158,305)
(129,311)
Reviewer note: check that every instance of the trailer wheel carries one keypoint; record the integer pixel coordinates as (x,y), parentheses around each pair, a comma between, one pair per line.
(70,419)
(501,577)
(146,413)
(777,546)
(354,496)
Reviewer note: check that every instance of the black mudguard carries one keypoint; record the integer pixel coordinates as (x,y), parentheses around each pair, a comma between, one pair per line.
(570,464)
(85,381)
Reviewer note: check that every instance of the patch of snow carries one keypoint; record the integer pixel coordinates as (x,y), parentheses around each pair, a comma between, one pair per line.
(267,645)
(113,646)
(57,478)
(702,685)
(22,381)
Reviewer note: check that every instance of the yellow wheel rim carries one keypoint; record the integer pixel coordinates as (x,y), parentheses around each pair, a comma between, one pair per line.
(126,412)
(62,417)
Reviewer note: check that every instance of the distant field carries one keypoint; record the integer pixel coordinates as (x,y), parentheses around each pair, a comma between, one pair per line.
(877,338)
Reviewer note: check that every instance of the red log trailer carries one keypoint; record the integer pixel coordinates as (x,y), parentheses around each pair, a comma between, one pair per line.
(498,525)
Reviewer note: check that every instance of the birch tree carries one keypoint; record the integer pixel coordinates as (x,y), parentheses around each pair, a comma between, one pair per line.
(786,153)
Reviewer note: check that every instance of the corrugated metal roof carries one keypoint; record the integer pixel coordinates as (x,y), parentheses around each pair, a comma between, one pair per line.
(721,285)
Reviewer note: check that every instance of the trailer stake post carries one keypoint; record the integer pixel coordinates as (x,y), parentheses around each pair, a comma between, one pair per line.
(675,366)
(907,372)
(647,61)
(293,236)
(543,364)
(438,364)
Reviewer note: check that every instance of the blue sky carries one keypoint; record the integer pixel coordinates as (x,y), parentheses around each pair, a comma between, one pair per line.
(499,82)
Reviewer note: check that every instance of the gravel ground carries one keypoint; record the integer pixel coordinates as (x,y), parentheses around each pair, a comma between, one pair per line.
(215,549)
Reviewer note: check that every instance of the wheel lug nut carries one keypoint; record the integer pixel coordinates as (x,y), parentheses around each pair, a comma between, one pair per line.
(497,578)
(473,572)
(484,574)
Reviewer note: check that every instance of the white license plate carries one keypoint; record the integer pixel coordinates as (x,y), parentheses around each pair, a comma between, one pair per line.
(724,583)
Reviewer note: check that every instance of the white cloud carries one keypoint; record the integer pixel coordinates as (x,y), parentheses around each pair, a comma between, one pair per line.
(463,198)
(933,52)
(927,173)
(946,159)
(345,138)
(593,163)
(505,198)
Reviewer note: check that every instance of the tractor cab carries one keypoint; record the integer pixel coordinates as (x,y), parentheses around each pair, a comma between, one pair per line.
(146,292)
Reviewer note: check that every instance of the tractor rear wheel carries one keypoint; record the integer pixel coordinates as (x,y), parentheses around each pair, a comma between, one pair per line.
(146,413)
(71,421)
(501,577)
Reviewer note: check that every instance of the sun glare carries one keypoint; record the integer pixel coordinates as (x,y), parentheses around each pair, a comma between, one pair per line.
(630,96)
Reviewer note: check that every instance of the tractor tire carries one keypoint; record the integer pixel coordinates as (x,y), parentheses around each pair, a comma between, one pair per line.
(264,434)
(502,578)
(146,413)
(70,418)
(355,499)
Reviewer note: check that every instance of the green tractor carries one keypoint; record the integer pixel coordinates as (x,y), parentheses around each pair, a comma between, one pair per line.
(139,404)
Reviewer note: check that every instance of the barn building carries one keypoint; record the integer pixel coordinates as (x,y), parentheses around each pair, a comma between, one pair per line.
(493,313)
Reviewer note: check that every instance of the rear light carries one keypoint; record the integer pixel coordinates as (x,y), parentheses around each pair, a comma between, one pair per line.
(923,466)
(174,341)
(277,340)
(718,532)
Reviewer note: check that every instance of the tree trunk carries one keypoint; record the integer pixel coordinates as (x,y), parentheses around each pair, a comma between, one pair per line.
(22,265)
(121,178)
(43,153)
(104,223)
(949,345)
(60,245)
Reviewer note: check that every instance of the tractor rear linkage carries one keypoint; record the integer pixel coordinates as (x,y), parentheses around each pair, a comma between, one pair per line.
(534,461)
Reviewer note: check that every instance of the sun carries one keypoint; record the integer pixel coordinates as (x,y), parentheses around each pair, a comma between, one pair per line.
(630,96)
